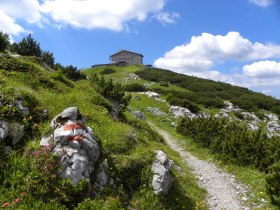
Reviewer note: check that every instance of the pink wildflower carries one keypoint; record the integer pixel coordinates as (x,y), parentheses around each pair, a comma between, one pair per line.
(5,204)
(16,200)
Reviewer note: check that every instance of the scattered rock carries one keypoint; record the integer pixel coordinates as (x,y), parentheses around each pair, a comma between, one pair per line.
(229,107)
(222,115)
(178,111)
(251,117)
(75,145)
(3,130)
(139,115)
(156,111)
(132,76)
(162,179)
(272,125)
(102,177)
(253,127)
(173,124)
(16,132)
(21,108)
(151,94)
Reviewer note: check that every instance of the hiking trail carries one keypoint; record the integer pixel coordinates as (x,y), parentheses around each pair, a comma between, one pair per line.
(224,191)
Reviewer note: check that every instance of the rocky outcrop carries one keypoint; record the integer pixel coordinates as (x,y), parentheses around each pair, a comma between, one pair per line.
(139,115)
(155,111)
(21,108)
(229,107)
(132,76)
(162,179)
(11,131)
(178,111)
(252,119)
(75,145)
(151,94)
(3,130)
(272,126)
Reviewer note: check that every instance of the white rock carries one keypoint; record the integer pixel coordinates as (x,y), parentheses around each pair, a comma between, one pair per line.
(162,179)
(156,111)
(151,94)
(21,108)
(139,115)
(75,145)
(179,111)
(4,129)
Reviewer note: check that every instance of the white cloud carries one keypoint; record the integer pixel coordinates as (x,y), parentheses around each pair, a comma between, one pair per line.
(88,14)
(28,10)
(262,69)
(167,17)
(109,14)
(205,51)
(262,3)
(203,54)
(8,25)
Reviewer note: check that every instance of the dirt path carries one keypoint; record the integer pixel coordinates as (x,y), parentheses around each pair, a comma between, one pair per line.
(224,192)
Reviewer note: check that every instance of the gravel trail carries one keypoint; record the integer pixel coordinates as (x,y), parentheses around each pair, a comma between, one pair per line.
(224,191)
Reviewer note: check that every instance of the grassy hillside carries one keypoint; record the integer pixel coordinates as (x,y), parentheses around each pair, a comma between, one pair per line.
(237,149)
(129,145)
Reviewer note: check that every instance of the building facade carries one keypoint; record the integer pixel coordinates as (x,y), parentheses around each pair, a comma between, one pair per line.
(128,57)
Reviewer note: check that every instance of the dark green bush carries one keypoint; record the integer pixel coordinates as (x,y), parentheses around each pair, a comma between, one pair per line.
(108,71)
(135,88)
(239,115)
(184,103)
(210,93)
(164,84)
(273,183)
(4,41)
(234,143)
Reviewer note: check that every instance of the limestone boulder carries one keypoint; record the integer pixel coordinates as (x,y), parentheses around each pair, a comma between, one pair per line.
(155,111)
(162,179)
(75,145)
(139,115)
(178,111)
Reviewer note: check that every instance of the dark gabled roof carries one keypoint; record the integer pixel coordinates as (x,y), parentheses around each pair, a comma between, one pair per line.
(127,51)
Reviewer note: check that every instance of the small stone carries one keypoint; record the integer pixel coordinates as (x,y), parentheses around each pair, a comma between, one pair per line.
(244,198)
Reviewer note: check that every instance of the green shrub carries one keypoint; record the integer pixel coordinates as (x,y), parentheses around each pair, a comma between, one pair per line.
(184,103)
(239,115)
(108,71)
(110,203)
(135,88)
(13,64)
(4,41)
(36,173)
(273,183)
(164,84)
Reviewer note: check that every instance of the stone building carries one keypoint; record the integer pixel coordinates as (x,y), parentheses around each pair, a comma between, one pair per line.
(127,57)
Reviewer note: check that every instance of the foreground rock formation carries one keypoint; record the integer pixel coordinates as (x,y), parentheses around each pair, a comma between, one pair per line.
(162,179)
(75,145)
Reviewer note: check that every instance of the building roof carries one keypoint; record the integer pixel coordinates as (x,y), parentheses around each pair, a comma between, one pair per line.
(127,51)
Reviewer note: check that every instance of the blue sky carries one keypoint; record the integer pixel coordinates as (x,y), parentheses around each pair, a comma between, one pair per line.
(234,41)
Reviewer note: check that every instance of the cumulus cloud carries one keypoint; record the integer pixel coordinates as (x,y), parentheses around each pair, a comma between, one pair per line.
(109,14)
(203,54)
(207,50)
(262,69)
(28,10)
(8,25)
(88,14)
(262,3)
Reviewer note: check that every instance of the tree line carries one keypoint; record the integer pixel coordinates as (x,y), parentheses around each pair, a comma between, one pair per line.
(28,46)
